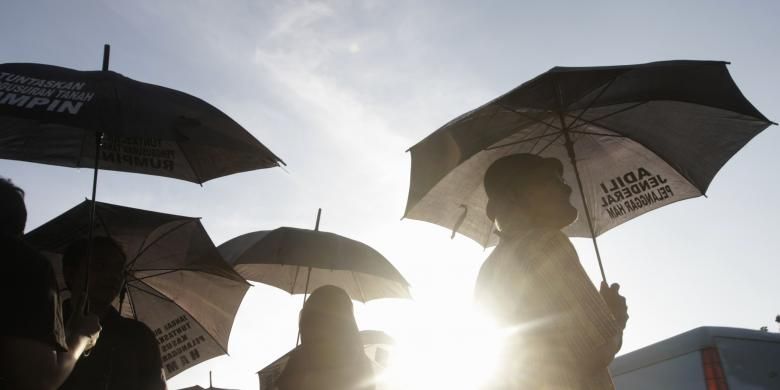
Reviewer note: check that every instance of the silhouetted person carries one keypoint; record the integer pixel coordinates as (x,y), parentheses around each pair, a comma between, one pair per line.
(331,354)
(36,350)
(127,357)
(565,333)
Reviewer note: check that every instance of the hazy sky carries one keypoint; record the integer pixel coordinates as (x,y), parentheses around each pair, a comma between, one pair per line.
(341,89)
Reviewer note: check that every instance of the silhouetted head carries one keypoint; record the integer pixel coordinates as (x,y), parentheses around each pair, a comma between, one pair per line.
(327,316)
(527,191)
(106,270)
(13,214)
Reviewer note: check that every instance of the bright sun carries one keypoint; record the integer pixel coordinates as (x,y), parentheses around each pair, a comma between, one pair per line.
(451,351)
(441,340)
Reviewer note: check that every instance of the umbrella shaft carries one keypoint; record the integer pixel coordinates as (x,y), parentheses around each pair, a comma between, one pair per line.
(98,141)
(572,158)
(305,292)
(306,288)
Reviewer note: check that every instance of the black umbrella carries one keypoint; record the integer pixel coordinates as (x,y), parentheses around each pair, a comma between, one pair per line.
(638,137)
(176,281)
(101,119)
(54,115)
(301,260)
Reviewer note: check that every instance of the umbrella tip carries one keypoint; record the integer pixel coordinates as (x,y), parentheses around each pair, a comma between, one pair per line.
(106,55)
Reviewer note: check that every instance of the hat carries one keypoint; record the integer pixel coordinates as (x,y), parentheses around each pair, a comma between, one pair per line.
(510,169)
(517,167)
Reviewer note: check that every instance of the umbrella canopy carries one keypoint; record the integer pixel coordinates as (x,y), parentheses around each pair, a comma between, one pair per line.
(51,115)
(638,137)
(176,281)
(300,260)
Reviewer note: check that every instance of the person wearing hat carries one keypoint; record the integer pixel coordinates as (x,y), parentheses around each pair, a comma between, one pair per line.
(563,332)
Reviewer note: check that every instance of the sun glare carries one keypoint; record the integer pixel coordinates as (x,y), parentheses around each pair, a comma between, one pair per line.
(450,352)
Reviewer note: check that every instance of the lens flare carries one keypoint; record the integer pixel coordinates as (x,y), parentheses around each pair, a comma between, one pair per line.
(452,352)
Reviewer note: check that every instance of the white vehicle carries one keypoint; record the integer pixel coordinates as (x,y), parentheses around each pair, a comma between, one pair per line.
(706,358)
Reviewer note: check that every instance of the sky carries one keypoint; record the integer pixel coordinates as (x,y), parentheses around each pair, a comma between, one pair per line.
(341,89)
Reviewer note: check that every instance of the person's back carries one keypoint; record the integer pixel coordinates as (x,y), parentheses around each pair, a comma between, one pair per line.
(326,367)
(331,355)
(127,357)
(534,283)
(564,334)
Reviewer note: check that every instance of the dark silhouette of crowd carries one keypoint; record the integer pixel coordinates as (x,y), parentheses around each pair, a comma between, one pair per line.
(570,330)
(39,350)
(82,343)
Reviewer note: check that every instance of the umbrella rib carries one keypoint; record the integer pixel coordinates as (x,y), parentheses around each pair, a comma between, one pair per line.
(549,144)
(593,101)
(594,121)
(68,238)
(571,125)
(522,140)
(131,302)
(153,293)
(544,131)
(599,134)
(224,349)
(192,168)
(653,151)
(170,270)
(164,272)
(357,283)
(603,127)
(143,250)
(524,115)
(141,247)
(295,279)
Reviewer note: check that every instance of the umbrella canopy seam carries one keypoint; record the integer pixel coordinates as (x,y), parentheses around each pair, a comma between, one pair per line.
(223,348)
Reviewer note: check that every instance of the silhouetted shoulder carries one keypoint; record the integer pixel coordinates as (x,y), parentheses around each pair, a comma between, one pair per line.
(140,338)
(29,291)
